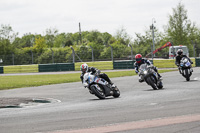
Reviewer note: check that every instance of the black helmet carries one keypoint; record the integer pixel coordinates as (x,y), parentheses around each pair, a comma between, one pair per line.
(179,51)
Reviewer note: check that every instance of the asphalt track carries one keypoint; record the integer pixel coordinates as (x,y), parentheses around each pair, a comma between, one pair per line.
(140,109)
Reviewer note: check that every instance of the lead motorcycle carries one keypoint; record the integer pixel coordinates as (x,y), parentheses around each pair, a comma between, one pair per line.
(148,74)
(99,87)
(185,68)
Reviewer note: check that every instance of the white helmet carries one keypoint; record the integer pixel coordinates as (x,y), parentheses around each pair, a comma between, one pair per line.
(84,68)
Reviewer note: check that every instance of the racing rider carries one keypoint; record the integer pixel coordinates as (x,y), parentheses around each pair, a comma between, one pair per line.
(140,61)
(84,68)
(179,56)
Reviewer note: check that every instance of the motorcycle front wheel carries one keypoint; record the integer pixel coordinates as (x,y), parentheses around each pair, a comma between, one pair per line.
(151,82)
(160,85)
(98,91)
(116,93)
(187,75)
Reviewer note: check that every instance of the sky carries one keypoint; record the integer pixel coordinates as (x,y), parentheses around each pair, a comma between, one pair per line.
(35,16)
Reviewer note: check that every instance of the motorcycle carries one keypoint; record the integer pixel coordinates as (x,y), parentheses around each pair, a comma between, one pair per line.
(185,68)
(100,87)
(148,74)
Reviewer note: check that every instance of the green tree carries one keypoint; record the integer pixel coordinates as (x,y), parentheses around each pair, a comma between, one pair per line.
(7,36)
(143,43)
(26,41)
(6,32)
(6,47)
(179,27)
(122,36)
(106,37)
(50,36)
(40,44)
(60,40)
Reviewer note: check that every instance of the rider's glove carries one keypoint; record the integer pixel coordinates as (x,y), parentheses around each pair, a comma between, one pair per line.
(98,72)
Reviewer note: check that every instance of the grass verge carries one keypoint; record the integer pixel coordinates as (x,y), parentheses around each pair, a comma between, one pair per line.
(101,65)
(11,82)
(21,69)
(168,63)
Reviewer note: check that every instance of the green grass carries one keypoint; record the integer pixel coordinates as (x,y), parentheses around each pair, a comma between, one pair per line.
(164,64)
(168,63)
(101,65)
(20,69)
(10,82)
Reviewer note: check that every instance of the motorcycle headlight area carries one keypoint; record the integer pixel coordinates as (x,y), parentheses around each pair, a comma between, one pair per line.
(145,72)
(91,78)
(185,60)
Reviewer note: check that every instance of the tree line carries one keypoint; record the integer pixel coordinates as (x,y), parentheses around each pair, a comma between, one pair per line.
(179,30)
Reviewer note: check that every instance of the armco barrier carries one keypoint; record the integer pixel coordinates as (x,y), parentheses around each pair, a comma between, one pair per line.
(65,67)
(197,61)
(56,67)
(123,64)
(1,70)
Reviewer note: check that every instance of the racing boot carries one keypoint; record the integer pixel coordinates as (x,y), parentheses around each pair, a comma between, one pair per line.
(159,76)
(112,84)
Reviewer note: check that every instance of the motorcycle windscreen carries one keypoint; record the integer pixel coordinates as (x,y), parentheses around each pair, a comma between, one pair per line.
(143,67)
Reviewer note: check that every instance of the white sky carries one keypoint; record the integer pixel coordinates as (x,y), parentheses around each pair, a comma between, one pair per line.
(35,16)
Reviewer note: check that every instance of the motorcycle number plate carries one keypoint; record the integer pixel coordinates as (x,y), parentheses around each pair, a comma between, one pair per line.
(188,63)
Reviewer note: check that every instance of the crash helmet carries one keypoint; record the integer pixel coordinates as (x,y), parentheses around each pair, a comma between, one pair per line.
(138,58)
(179,52)
(84,68)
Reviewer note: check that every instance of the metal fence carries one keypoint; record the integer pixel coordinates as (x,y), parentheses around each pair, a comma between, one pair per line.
(35,58)
(72,55)
(106,53)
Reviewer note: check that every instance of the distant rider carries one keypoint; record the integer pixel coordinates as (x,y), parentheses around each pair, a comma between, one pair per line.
(179,56)
(140,61)
(84,68)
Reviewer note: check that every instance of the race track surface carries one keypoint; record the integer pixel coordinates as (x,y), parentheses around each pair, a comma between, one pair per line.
(140,109)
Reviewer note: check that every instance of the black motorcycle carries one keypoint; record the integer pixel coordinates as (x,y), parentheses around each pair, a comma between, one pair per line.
(148,74)
(100,87)
(185,68)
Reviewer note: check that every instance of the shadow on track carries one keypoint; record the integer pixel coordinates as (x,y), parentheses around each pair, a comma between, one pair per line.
(154,90)
(191,80)
(108,98)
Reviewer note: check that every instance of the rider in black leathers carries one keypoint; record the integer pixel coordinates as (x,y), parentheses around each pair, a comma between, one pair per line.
(179,57)
(140,61)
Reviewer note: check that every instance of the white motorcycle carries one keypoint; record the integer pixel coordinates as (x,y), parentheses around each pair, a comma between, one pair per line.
(185,68)
(99,87)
